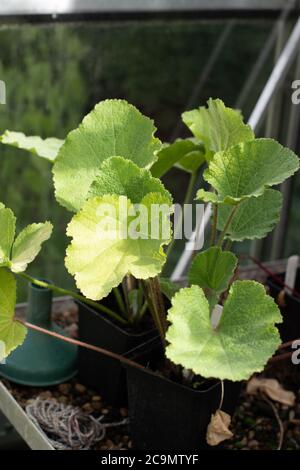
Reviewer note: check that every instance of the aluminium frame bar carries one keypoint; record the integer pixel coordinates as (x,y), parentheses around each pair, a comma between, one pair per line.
(71,7)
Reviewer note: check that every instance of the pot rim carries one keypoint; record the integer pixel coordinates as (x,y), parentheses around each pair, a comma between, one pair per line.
(108,320)
(159,376)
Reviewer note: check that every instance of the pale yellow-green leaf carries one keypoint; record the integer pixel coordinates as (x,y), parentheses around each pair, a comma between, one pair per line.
(241,344)
(12,332)
(44,148)
(7,233)
(28,244)
(103,249)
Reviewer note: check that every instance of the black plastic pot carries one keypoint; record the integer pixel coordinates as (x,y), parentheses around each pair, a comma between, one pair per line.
(290,328)
(165,415)
(104,374)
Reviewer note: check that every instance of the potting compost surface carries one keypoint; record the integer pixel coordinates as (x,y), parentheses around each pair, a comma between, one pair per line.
(258,424)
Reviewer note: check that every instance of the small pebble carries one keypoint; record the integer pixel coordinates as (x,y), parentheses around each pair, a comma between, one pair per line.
(291,414)
(64,388)
(124,412)
(63,400)
(97,406)
(96,398)
(87,408)
(45,395)
(80,388)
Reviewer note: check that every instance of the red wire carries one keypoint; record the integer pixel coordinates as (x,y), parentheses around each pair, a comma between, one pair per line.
(271,274)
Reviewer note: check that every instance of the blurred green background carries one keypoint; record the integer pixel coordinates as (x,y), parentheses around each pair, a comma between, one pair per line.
(56,73)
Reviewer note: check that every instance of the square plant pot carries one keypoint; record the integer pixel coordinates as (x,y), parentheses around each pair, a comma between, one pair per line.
(103,374)
(165,415)
(290,328)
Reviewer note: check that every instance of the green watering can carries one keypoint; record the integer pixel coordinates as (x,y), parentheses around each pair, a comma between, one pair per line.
(42,360)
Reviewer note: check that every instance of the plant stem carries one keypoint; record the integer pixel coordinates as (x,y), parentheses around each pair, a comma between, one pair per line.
(214,225)
(222,394)
(229,220)
(156,305)
(59,290)
(187,199)
(142,312)
(228,245)
(119,300)
(120,358)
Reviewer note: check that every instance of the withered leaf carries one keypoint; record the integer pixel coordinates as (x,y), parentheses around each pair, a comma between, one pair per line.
(272,388)
(218,428)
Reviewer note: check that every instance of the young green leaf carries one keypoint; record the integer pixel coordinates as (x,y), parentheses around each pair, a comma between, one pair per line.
(186,154)
(12,333)
(112,239)
(217,126)
(246,169)
(124,178)
(168,287)
(242,342)
(213,269)
(44,148)
(7,234)
(28,244)
(254,218)
(113,128)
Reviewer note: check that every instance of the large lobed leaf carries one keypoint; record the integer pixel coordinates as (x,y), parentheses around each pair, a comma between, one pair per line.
(102,251)
(242,342)
(113,128)
(12,333)
(246,169)
(254,217)
(104,221)
(217,126)
(44,148)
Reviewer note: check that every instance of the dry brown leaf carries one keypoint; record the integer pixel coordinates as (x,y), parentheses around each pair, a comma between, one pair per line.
(272,388)
(217,430)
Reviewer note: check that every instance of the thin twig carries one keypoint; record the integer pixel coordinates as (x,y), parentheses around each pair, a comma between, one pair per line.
(281,428)
(82,344)
(222,395)
(81,298)
(227,225)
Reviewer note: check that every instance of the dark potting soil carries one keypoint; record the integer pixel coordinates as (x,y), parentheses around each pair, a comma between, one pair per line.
(254,424)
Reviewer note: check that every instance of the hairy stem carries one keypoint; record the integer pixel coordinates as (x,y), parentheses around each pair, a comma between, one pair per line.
(120,358)
(156,305)
(119,300)
(59,290)
(224,231)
